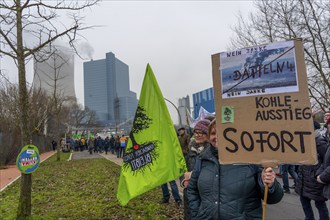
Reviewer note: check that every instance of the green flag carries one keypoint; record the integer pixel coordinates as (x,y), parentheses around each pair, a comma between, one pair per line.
(153,155)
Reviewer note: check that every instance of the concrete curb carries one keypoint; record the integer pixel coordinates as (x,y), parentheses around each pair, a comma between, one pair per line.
(70,158)
(106,156)
(10,183)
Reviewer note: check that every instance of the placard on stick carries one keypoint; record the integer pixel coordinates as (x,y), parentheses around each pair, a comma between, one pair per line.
(262,105)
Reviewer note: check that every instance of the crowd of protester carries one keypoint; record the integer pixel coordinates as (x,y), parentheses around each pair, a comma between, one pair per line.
(113,144)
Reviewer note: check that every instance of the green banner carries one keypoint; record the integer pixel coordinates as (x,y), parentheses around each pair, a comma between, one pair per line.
(153,155)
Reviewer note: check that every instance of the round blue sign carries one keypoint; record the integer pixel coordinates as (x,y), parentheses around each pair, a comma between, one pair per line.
(28,159)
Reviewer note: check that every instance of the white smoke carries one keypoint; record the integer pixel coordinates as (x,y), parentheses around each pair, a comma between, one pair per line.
(85,50)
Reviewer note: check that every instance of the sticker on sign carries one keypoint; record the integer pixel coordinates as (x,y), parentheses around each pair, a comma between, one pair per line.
(30,151)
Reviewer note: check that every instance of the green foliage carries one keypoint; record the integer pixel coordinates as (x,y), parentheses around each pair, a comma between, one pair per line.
(83,189)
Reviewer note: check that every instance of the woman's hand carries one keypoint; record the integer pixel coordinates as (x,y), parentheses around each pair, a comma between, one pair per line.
(186,179)
(268,176)
(319,180)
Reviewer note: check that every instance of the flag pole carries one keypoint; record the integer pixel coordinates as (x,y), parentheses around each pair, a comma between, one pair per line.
(180,121)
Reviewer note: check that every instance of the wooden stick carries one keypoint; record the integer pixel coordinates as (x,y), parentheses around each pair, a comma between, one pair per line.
(265,203)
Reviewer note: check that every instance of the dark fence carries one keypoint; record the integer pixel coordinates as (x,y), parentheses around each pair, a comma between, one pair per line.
(10,146)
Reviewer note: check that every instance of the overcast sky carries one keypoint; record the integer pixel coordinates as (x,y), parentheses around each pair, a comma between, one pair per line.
(177,38)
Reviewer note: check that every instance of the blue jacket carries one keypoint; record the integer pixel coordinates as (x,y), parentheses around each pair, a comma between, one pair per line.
(227,191)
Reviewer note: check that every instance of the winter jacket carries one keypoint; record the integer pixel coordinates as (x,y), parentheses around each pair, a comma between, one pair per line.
(306,184)
(90,144)
(325,175)
(227,192)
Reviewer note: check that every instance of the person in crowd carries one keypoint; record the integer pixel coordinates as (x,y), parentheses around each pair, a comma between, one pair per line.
(90,144)
(326,116)
(117,144)
(175,193)
(184,140)
(99,144)
(95,145)
(82,144)
(106,144)
(285,170)
(324,176)
(307,186)
(54,145)
(77,144)
(196,146)
(121,151)
(199,144)
(324,130)
(73,144)
(62,143)
(327,127)
(112,144)
(224,192)
(68,143)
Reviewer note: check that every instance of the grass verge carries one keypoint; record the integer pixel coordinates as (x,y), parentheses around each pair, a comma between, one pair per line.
(83,189)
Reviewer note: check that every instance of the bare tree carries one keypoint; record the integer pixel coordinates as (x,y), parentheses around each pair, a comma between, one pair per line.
(9,112)
(9,126)
(27,29)
(39,110)
(78,116)
(280,20)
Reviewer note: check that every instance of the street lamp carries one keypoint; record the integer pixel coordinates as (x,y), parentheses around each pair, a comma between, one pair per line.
(180,122)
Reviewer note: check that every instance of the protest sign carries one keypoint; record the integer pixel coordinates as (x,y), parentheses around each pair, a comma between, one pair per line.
(262,105)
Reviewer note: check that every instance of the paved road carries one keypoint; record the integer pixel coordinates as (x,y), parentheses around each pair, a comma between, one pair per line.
(77,155)
(288,209)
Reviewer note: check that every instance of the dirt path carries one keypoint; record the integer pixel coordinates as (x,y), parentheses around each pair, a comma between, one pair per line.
(11,173)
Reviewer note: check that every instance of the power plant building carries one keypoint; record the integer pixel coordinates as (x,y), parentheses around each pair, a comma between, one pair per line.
(184,110)
(107,90)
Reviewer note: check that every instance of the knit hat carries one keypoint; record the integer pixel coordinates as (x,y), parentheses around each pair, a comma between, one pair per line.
(202,125)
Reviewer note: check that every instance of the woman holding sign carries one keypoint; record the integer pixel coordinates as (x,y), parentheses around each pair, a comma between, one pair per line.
(229,191)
